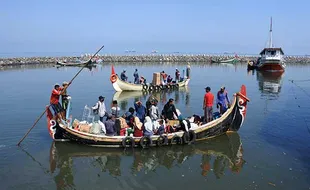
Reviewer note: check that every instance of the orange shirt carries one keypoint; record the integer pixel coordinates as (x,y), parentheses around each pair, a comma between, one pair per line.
(209,99)
(55,96)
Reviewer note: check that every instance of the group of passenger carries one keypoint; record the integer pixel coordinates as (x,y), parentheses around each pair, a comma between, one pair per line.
(137,79)
(139,120)
(222,103)
(165,78)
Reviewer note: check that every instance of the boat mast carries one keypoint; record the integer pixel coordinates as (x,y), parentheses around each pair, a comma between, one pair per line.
(270,39)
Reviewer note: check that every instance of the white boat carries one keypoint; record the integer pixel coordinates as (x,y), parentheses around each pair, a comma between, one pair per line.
(271,58)
(120,85)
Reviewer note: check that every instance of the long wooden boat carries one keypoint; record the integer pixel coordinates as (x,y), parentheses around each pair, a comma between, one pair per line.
(231,120)
(232,61)
(77,64)
(120,85)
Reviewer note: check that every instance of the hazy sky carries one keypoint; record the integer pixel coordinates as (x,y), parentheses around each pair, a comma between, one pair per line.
(46,27)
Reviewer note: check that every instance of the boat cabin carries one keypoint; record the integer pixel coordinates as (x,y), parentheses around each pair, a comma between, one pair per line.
(271,52)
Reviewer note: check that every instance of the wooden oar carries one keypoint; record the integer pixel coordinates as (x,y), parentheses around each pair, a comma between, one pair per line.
(62,90)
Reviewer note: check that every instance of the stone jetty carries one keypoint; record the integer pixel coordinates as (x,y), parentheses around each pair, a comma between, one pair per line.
(152,58)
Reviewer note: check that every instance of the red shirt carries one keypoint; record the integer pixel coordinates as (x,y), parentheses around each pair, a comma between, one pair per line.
(164,75)
(55,96)
(209,99)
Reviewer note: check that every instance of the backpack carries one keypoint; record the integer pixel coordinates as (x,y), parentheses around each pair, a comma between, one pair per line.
(96,111)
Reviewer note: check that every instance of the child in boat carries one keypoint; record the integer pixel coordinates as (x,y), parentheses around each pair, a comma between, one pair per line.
(161,128)
(169,128)
(138,129)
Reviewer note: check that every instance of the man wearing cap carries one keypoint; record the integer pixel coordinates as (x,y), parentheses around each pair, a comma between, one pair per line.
(207,105)
(54,101)
(222,100)
(99,108)
(123,75)
(169,110)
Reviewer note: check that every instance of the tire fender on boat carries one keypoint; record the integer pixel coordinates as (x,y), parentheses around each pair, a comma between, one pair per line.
(128,141)
(162,140)
(176,140)
(161,87)
(113,78)
(146,142)
(145,87)
(151,88)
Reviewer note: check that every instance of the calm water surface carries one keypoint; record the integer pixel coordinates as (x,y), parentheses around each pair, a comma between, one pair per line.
(271,150)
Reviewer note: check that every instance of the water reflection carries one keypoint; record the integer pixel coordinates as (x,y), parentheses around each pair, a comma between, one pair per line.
(270,83)
(225,152)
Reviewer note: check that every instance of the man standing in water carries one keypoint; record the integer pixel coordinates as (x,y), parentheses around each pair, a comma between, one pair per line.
(136,77)
(207,105)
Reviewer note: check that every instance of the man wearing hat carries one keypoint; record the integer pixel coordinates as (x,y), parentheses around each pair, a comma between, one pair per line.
(123,75)
(208,105)
(222,100)
(99,108)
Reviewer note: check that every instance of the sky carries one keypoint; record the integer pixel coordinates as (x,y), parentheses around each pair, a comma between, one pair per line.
(69,27)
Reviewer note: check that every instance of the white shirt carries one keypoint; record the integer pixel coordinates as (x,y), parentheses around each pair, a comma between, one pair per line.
(102,110)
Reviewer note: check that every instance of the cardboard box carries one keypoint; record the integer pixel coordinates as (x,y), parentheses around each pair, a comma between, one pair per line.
(156,79)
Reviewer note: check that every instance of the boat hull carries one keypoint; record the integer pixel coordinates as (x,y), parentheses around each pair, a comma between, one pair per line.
(271,66)
(231,61)
(231,120)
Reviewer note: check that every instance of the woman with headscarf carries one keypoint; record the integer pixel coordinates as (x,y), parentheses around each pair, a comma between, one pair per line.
(148,126)
(138,132)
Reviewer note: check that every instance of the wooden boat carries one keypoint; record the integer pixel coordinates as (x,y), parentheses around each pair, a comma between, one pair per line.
(231,61)
(76,64)
(272,59)
(231,120)
(120,85)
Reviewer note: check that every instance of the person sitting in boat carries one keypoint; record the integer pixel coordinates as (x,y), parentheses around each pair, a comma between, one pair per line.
(140,110)
(54,101)
(138,129)
(223,102)
(110,125)
(136,77)
(161,128)
(177,75)
(123,76)
(208,105)
(129,116)
(115,110)
(169,79)
(148,127)
(164,77)
(169,110)
(99,108)
(64,96)
(142,80)
(169,128)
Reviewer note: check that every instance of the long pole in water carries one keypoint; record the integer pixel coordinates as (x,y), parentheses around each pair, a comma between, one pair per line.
(86,64)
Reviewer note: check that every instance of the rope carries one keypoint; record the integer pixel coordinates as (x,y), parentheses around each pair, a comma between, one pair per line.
(301,88)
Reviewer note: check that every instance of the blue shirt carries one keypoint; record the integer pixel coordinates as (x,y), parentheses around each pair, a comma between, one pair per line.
(140,111)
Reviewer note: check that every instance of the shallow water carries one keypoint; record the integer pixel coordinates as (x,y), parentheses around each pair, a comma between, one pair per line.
(270,151)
